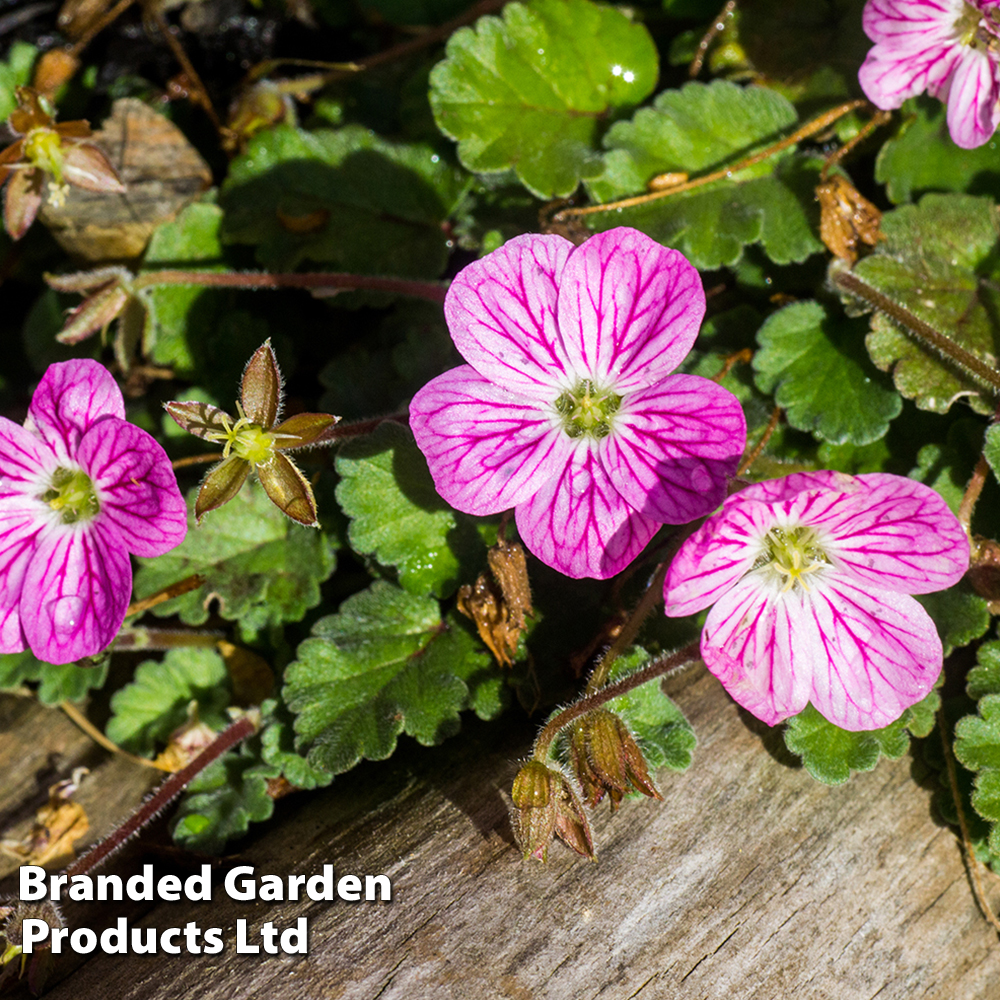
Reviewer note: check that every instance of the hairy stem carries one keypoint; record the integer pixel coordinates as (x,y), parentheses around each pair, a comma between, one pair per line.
(662,667)
(972,491)
(810,128)
(320,284)
(918,329)
(164,795)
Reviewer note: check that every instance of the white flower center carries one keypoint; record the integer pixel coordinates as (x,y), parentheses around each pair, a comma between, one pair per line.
(790,556)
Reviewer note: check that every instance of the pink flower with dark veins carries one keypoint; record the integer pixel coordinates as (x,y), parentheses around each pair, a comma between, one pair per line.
(80,488)
(567,410)
(949,48)
(809,578)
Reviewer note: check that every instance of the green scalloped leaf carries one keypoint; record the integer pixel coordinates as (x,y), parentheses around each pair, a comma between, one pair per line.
(147,710)
(932,261)
(659,726)
(818,371)
(984,677)
(830,753)
(342,197)
(922,157)
(261,568)
(961,616)
(278,748)
(991,448)
(977,747)
(222,801)
(56,682)
(397,515)
(696,130)
(385,664)
(531,89)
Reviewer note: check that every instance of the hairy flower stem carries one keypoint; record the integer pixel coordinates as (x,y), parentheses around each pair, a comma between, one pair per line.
(918,329)
(649,600)
(662,667)
(321,284)
(972,491)
(189,583)
(971,862)
(825,120)
(164,795)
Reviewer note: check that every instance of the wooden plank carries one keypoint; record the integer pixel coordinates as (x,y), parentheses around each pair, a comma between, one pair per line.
(750,880)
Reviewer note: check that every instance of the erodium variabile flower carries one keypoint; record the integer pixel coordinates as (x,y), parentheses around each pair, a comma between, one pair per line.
(567,411)
(810,578)
(80,488)
(949,48)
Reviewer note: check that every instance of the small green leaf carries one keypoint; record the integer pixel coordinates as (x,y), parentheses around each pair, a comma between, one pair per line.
(15,72)
(961,616)
(174,326)
(386,663)
(262,568)
(819,374)
(62,682)
(342,197)
(530,90)
(830,754)
(984,678)
(396,514)
(146,711)
(991,448)
(931,262)
(659,726)
(922,157)
(222,801)
(697,130)
(278,748)
(977,737)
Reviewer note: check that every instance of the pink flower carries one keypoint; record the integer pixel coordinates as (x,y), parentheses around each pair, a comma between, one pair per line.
(949,48)
(809,577)
(80,488)
(566,410)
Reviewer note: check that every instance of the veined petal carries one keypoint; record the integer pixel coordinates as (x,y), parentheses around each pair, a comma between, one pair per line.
(22,200)
(25,461)
(895,534)
(75,592)
(136,486)
(880,653)
(71,396)
(787,487)
(674,447)
(501,311)
(579,524)
(629,309)
(973,91)
(488,449)
(760,643)
(716,557)
(910,22)
(18,530)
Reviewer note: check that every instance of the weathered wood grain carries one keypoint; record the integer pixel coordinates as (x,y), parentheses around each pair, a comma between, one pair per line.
(750,880)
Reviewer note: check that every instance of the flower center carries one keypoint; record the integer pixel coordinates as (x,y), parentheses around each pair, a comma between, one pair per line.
(71,494)
(245,440)
(974,27)
(588,410)
(791,555)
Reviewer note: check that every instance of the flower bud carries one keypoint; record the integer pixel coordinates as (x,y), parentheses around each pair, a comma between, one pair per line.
(607,759)
(545,805)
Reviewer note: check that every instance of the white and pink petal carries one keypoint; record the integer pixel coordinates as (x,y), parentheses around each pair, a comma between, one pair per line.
(629,309)
(136,486)
(71,396)
(501,312)
(972,99)
(75,592)
(758,642)
(674,448)
(578,523)
(880,654)
(488,449)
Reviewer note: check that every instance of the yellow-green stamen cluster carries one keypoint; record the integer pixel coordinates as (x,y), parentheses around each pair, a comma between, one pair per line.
(588,410)
(790,556)
(244,439)
(71,494)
